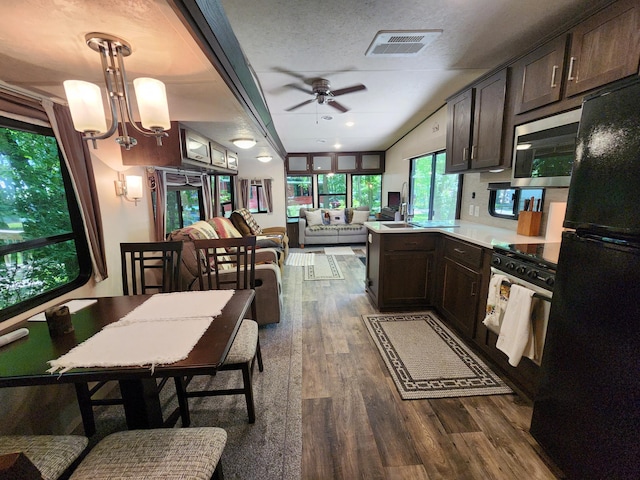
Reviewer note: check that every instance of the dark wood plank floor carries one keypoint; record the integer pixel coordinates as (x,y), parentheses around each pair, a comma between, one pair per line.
(354,423)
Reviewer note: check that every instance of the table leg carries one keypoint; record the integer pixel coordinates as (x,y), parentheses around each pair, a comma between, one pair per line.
(141,403)
(86,409)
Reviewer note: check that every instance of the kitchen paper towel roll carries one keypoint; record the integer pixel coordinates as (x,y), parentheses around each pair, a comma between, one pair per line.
(13,336)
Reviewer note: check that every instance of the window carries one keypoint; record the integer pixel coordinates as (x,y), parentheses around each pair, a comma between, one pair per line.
(506,201)
(257,201)
(299,194)
(434,195)
(366,191)
(223,191)
(184,206)
(332,190)
(43,250)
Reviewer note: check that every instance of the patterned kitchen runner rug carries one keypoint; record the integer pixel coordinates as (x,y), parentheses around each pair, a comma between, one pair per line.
(300,259)
(325,268)
(426,360)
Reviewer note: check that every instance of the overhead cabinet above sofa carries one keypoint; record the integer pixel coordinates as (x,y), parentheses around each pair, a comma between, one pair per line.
(183,147)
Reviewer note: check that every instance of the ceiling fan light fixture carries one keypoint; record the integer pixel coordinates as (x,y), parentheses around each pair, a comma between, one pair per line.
(244,142)
(264,158)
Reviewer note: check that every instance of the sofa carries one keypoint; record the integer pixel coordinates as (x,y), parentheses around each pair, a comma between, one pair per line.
(332,226)
(269,298)
(268,237)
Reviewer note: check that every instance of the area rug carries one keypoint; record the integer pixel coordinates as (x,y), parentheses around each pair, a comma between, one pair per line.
(426,360)
(338,251)
(325,268)
(300,259)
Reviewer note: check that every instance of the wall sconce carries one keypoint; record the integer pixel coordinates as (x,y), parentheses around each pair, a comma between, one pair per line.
(129,187)
(264,158)
(87,108)
(244,142)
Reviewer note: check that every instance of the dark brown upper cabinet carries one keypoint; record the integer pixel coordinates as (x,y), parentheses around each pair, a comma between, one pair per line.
(474,125)
(343,162)
(605,47)
(539,76)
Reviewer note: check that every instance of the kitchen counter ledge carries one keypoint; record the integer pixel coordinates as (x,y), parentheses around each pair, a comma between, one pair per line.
(484,235)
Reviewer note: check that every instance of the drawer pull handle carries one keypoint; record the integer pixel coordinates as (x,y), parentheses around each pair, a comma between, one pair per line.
(570,76)
(473,289)
(461,252)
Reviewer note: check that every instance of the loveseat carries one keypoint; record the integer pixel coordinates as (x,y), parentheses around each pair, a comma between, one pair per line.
(268,278)
(328,227)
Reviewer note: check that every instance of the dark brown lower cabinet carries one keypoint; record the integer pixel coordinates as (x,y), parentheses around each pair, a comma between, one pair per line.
(460,296)
(400,270)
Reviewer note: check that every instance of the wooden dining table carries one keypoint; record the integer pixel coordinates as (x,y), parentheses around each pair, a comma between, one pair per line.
(25,361)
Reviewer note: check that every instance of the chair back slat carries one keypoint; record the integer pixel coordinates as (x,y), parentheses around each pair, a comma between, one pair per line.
(227,263)
(150,267)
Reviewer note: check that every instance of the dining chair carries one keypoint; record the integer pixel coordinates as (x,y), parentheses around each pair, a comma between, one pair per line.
(158,453)
(228,263)
(147,268)
(51,455)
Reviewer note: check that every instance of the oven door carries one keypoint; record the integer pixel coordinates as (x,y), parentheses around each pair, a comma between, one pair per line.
(540,310)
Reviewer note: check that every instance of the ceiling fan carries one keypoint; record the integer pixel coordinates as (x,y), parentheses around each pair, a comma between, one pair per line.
(321,90)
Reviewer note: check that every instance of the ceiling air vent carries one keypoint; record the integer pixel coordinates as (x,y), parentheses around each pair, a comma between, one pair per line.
(401,43)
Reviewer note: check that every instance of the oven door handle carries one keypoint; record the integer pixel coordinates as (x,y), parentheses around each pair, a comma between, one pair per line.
(539,292)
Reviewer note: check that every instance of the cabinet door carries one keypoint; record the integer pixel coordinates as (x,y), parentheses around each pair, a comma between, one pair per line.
(407,278)
(346,162)
(460,296)
(605,47)
(372,162)
(322,163)
(373,265)
(459,116)
(540,74)
(298,163)
(486,149)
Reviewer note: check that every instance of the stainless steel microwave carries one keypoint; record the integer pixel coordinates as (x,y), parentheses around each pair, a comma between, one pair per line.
(544,151)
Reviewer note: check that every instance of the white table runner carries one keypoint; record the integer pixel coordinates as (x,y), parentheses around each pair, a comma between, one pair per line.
(163,330)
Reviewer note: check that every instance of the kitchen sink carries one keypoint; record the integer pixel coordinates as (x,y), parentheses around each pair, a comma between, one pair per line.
(399,225)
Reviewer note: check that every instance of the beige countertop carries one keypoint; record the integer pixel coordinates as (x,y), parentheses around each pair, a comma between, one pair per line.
(477,233)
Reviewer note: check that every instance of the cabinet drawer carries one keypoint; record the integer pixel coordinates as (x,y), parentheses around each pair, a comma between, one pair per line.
(462,252)
(411,241)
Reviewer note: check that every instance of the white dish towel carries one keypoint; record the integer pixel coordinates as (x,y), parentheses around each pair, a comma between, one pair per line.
(516,333)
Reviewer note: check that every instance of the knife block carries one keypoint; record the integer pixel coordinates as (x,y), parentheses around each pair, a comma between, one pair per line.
(529,223)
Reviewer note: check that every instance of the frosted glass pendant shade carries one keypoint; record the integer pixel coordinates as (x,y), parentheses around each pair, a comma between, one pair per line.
(151,96)
(85,103)
(134,186)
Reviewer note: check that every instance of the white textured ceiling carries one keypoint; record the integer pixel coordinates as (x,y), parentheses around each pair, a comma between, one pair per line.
(286,41)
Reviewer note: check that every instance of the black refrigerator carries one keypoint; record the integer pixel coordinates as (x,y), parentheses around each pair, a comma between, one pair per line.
(586,414)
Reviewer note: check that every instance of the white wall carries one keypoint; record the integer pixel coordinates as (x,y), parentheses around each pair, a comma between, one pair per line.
(430,136)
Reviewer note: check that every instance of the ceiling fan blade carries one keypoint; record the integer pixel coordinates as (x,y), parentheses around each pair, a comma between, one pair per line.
(300,105)
(338,106)
(342,91)
(302,89)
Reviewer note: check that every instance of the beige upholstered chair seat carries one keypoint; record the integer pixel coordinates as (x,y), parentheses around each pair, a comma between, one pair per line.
(51,454)
(167,454)
(243,348)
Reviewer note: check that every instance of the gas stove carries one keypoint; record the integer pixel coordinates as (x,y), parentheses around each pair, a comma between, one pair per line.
(533,262)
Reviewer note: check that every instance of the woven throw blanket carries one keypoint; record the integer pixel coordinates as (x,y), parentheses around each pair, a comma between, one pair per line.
(163,330)
(346,226)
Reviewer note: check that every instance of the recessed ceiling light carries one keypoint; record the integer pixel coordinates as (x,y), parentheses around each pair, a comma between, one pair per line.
(264,158)
(350,124)
(244,142)
(327,117)
(321,140)
(337,145)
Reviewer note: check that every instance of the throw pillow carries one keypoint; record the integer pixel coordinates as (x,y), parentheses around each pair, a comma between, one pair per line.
(326,218)
(240,224)
(360,216)
(337,217)
(250,221)
(314,217)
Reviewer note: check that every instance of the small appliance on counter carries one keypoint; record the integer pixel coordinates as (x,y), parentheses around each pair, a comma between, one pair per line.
(586,414)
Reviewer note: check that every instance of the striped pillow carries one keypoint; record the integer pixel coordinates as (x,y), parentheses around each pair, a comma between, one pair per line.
(250,221)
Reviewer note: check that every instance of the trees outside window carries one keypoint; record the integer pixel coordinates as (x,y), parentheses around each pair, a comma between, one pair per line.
(434,195)
(332,190)
(43,250)
(366,191)
(299,194)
